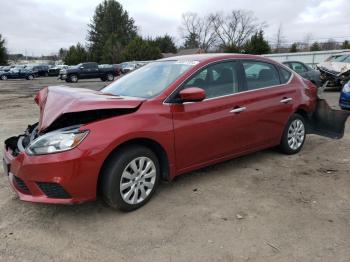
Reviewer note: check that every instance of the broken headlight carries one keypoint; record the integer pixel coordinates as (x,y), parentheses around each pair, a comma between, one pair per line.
(346,88)
(56,141)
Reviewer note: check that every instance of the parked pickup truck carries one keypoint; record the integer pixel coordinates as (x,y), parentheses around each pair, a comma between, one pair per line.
(87,71)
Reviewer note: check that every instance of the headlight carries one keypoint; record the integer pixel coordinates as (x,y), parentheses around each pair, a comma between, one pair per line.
(56,141)
(346,88)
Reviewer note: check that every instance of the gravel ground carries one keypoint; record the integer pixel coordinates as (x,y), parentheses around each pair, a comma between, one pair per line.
(261,207)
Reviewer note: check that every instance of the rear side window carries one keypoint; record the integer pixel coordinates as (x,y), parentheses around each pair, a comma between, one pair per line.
(260,74)
(285,75)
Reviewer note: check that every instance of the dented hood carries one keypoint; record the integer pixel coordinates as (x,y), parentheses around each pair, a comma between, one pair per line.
(55,101)
(338,67)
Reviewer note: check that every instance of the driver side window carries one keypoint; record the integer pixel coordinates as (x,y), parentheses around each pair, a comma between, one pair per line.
(216,80)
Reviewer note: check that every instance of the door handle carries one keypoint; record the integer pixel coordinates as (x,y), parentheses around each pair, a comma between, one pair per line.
(285,100)
(238,110)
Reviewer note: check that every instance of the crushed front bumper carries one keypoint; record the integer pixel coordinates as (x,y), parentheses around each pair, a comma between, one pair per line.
(53,178)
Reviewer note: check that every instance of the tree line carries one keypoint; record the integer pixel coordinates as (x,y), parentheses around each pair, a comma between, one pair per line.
(113,37)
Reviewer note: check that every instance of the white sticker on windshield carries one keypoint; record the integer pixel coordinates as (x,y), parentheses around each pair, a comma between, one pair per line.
(192,63)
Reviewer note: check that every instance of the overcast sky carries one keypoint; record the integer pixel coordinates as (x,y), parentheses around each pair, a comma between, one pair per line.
(43,26)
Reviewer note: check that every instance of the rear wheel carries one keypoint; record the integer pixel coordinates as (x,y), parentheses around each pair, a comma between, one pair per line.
(30,77)
(110,77)
(294,135)
(130,178)
(3,77)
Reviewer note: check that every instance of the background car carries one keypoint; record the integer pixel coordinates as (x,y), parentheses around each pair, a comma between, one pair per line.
(55,70)
(344,100)
(305,71)
(18,73)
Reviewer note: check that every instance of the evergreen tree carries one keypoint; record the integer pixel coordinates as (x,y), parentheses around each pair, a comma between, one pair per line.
(257,44)
(109,19)
(139,50)
(75,55)
(112,51)
(315,47)
(293,48)
(345,45)
(165,44)
(3,51)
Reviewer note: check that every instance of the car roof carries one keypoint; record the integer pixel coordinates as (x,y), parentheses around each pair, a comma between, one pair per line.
(213,56)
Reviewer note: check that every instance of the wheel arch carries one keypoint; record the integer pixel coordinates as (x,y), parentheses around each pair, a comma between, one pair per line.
(152,145)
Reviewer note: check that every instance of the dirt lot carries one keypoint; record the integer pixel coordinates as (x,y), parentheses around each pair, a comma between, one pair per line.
(262,207)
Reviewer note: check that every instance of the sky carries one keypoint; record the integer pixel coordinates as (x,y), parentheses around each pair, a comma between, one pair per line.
(41,27)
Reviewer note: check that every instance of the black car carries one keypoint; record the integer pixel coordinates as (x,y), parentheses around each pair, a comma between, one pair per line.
(55,71)
(17,73)
(87,71)
(305,71)
(41,70)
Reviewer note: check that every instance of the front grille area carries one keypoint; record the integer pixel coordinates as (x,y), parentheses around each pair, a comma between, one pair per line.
(21,185)
(53,190)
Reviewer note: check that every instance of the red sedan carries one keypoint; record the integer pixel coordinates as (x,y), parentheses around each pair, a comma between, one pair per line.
(169,117)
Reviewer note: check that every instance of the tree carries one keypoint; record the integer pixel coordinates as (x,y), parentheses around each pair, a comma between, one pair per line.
(197,31)
(75,55)
(3,51)
(345,45)
(165,44)
(62,53)
(109,18)
(315,47)
(112,50)
(191,41)
(279,39)
(329,45)
(293,48)
(234,29)
(257,44)
(139,49)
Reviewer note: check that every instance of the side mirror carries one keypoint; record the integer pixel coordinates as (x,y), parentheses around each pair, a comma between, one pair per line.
(192,94)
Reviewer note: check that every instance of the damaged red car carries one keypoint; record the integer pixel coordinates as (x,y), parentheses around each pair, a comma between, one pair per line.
(167,118)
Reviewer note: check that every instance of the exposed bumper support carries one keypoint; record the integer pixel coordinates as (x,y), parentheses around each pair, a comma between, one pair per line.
(327,122)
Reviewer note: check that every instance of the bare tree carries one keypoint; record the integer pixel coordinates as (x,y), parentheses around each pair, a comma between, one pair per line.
(234,29)
(200,27)
(307,41)
(280,38)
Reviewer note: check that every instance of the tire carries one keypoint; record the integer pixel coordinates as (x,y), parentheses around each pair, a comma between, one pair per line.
(73,78)
(67,80)
(110,77)
(30,77)
(46,74)
(3,77)
(123,167)
(103,78)
(294,135)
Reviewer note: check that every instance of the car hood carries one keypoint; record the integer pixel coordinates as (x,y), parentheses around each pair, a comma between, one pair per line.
(58,101)
(337,67)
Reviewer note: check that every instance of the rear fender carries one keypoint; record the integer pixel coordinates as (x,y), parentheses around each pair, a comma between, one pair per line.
(326,121)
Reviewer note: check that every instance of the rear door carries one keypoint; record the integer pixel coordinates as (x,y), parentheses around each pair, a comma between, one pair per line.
(268,98)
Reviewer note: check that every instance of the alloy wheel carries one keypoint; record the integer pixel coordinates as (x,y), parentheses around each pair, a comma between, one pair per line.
(3,77)
(138,180)
(296,134)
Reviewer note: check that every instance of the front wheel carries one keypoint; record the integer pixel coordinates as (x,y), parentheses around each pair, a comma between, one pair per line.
(30,77)
(3,77)
(73,78)
(294,135)
(130,178)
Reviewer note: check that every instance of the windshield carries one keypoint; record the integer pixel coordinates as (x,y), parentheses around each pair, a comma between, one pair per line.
(150,80)
(343,58)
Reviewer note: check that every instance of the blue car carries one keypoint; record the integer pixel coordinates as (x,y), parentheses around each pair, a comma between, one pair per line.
(344,101)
